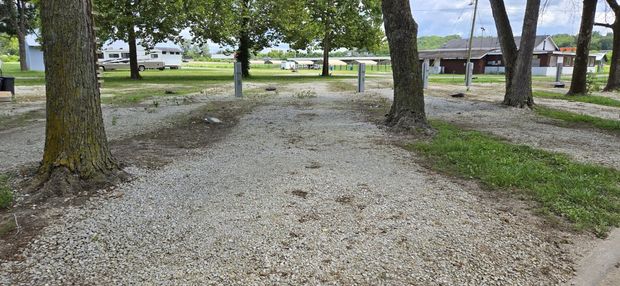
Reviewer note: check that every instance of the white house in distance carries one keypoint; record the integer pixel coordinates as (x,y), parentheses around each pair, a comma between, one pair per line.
(169,53)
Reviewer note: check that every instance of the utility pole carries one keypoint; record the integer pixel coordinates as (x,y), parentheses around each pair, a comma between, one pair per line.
(469,70)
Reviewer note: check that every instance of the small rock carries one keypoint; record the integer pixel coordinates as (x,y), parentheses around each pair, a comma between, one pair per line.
(212,120)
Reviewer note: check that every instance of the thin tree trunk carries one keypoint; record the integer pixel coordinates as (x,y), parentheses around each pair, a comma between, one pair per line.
(76,148)
(133,53)
(613,82)
(244,54)
(17,20)
(518,63)
(506,40)
(326,49)
(578,83)
(401,30)
(521,94)
(23,63)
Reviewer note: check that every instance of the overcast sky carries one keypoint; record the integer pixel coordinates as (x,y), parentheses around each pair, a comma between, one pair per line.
(447,17)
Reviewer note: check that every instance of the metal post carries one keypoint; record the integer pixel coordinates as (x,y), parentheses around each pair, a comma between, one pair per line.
(558,73)
(238,77)
(471,41)
(361,78)
(426,69)
(469,74)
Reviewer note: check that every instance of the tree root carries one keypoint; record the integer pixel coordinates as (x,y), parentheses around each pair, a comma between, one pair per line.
(61,182)
(407,121)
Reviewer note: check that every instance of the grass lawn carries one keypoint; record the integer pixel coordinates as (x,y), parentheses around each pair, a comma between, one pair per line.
(586,195)
(572,117)
(599,100)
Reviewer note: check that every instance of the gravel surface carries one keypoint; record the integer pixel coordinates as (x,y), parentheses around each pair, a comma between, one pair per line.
(296,194)
(24,145)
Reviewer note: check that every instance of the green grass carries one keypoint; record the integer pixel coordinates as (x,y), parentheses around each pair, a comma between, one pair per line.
(586,195)
(599,100)
(571,117)
(6,195)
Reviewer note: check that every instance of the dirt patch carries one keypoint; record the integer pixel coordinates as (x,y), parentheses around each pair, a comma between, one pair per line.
(300,193)
(158,148)
(26,219)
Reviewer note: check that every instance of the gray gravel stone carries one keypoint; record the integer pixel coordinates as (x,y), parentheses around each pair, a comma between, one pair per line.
(233,215)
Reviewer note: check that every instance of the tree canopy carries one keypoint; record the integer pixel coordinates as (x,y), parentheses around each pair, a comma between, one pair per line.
(334,24)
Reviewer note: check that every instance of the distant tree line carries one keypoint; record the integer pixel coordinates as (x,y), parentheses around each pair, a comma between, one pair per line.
(599,42)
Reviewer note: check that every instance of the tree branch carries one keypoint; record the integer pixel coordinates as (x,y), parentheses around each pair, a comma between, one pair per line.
(614,6)
(604,25)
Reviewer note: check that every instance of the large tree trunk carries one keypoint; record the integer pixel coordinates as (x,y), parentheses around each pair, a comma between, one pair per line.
(326,49)
(506,40)
(519,67)
(133,53)
(76,148)
(613,82)
(578,83)
(401,30)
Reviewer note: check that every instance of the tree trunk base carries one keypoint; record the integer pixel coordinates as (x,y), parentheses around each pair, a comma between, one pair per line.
(406,120)
(61,182)
(610,88)
(520,103)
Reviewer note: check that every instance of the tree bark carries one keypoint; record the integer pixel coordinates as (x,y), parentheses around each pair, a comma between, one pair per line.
(578,83)
(518,62)
(613,81)
(133,54)
(23,63)
(21,35)
(506,40)
(76,148)
(407,110)
(326,49)
(244,54)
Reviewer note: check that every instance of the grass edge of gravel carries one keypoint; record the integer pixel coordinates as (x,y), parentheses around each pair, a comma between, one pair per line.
(573,117)
(586,195)
(6,195)
(592,99)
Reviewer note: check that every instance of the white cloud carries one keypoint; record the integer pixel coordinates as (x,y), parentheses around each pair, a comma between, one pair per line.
(445,17)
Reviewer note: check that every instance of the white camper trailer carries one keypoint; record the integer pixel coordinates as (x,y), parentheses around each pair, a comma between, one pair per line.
(170,55)
(288,65)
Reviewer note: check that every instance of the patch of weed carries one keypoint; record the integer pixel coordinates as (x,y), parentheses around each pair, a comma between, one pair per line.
(305,94)
(598,100)
(6,195)
(572,117)
(586,195)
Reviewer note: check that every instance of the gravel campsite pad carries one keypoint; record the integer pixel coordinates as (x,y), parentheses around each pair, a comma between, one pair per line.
(296,194)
